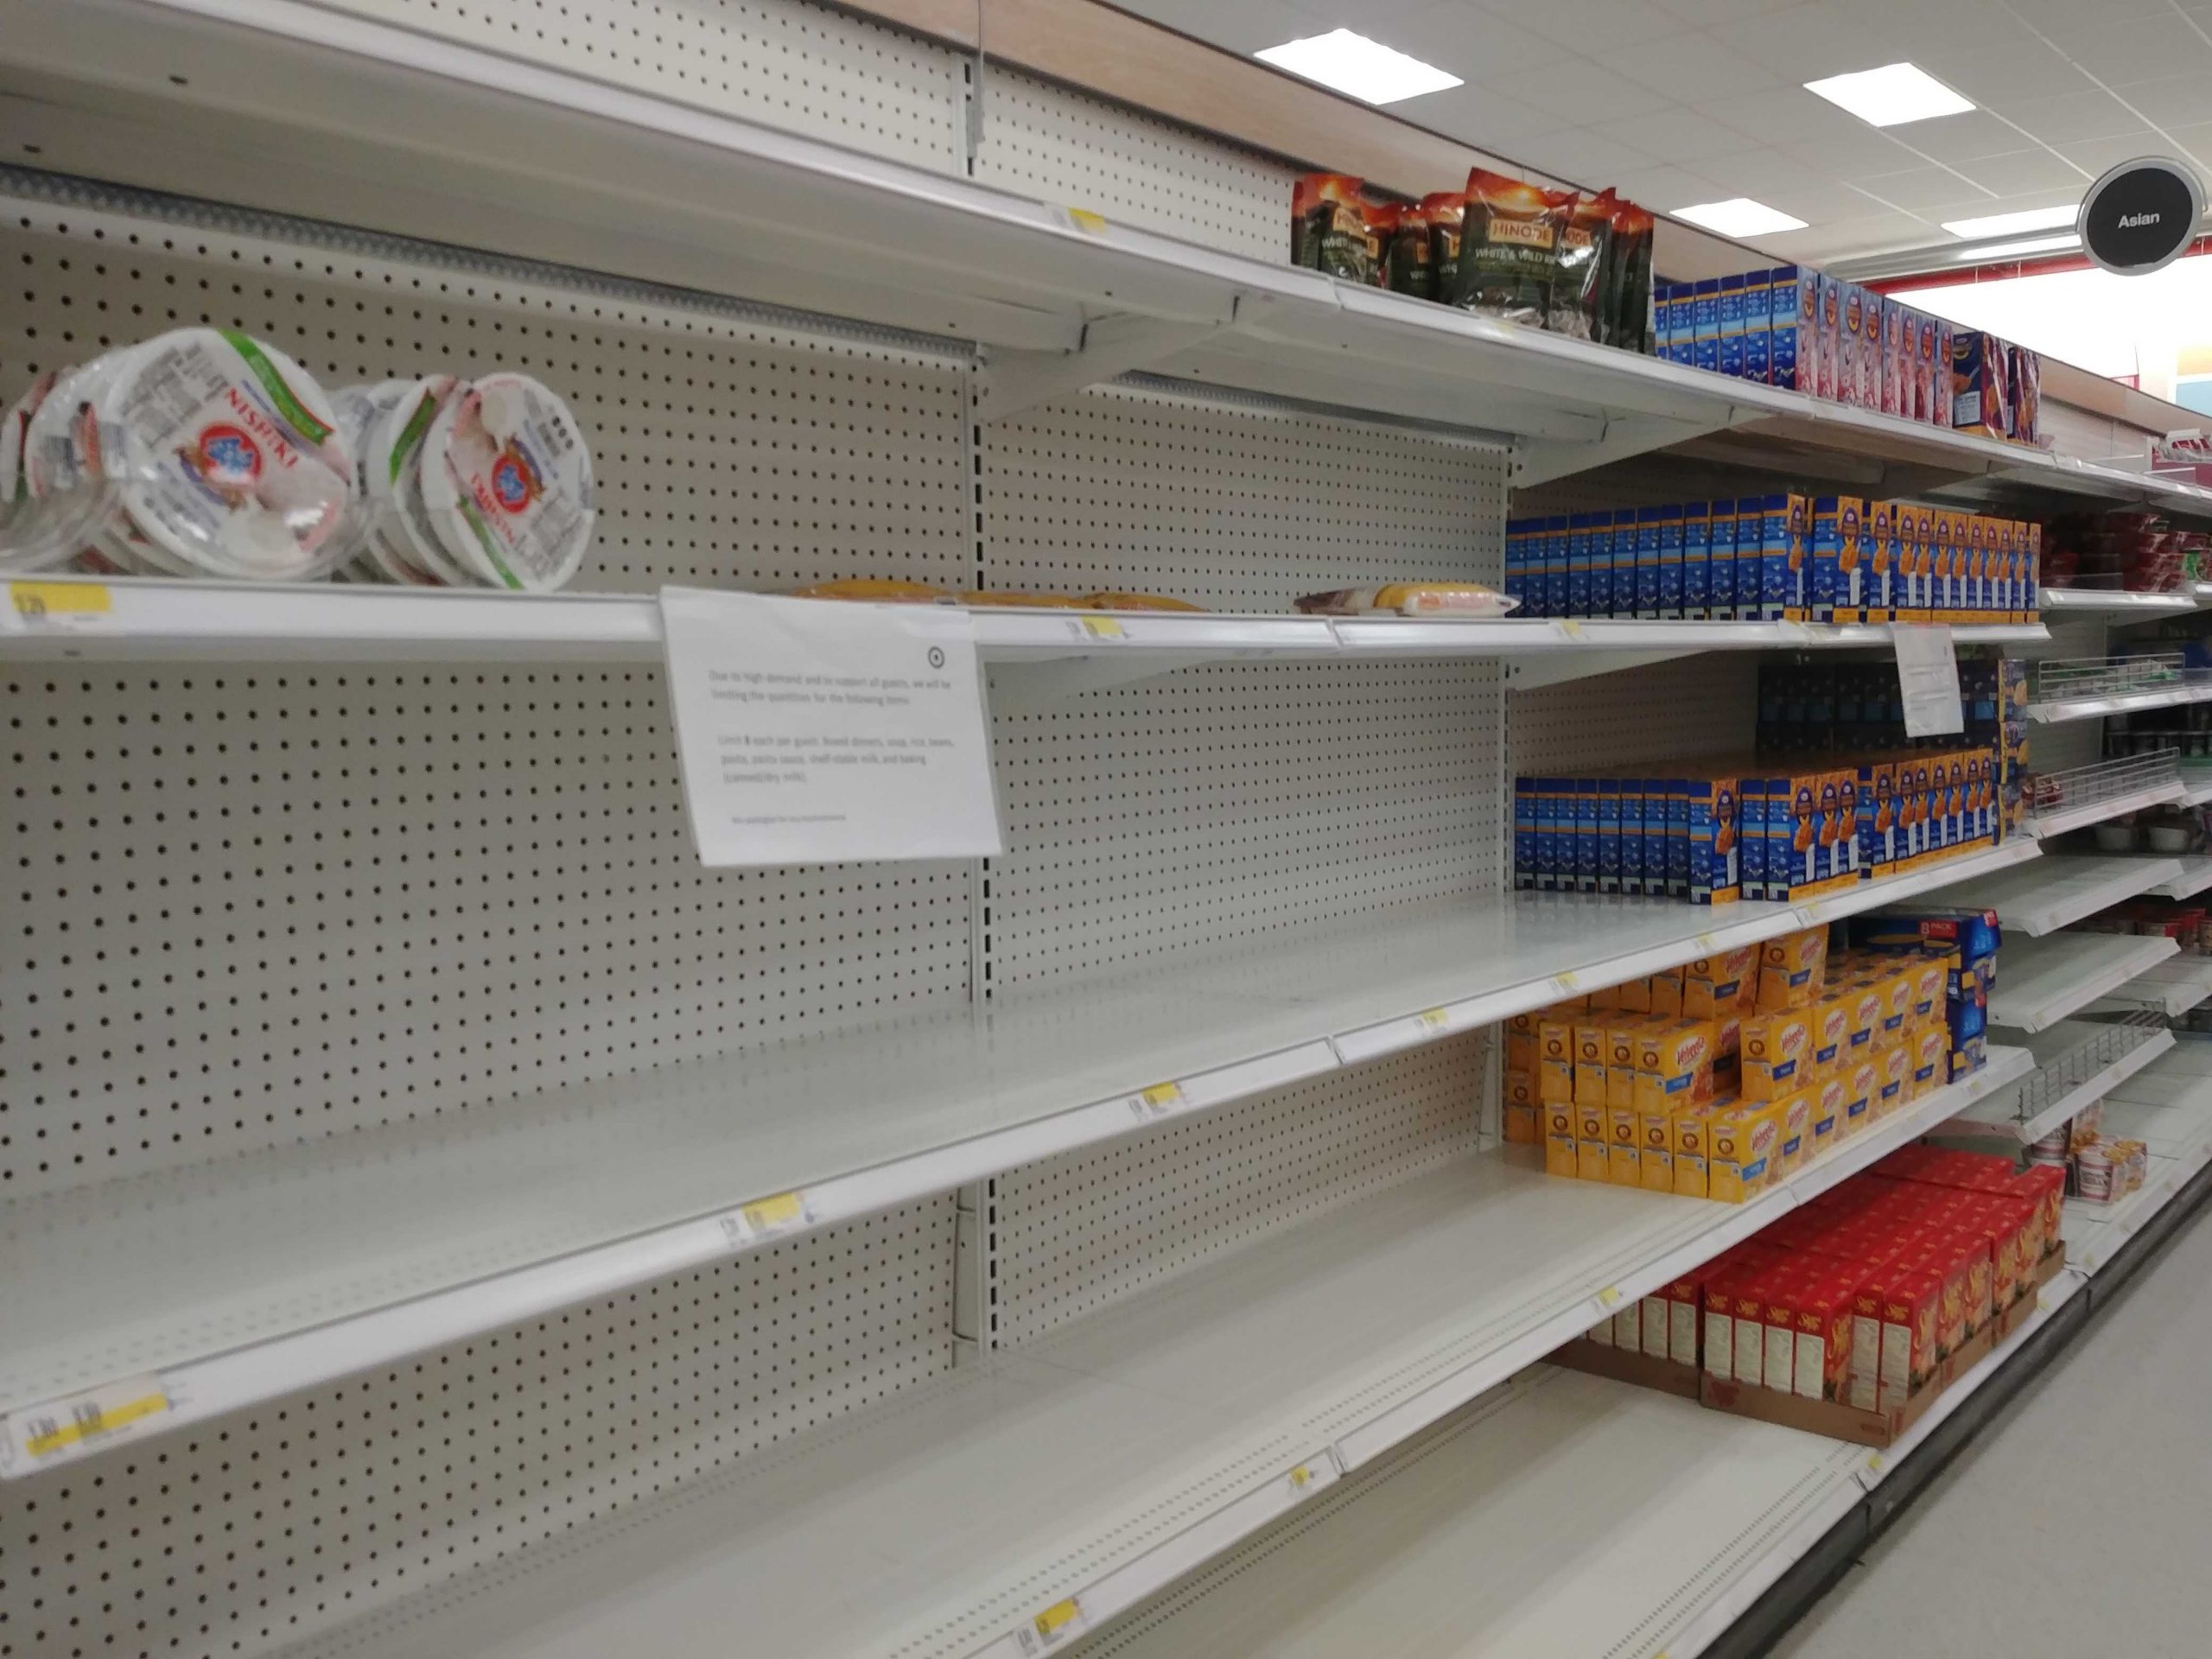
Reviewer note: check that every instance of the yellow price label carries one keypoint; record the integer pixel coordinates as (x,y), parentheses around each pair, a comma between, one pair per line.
(1609,1295)
(765,1217)
(1707,943)
(58,1431)
(1103,627)
(1301,1477)
(1164,1094)
(1572,629)
(1876,1464)
(1083,219)
(1056,1617)
(1566,981)
(1433,1018)
(36,601)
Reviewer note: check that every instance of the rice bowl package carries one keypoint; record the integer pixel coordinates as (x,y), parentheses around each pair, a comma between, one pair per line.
(507,481)
(404,543)
(221,452)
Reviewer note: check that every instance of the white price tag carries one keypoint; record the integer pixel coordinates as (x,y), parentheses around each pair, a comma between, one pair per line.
(1161,1100)
(813,732)
(40,1437)
(1928,675)
(765,1219)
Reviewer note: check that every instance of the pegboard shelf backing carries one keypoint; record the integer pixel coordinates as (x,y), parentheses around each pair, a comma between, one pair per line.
(271,910)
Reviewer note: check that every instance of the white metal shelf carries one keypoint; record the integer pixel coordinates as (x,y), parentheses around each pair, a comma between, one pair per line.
(1102,1462)
(2169,692)
(2195,876)
(1678,1519)
(2041,979)
(2195,782)
(152,620)
(2080,796)
(2076,1062)
(2172,987)
(678,192)
(2061,888)
(2168,1107)
(2119,607)
(237,1281)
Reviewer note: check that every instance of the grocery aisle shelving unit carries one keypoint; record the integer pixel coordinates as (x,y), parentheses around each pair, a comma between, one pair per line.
(931,1259)
(2077,1062)
(2042,980)
(2169,1106)
(2172,987)
(2063,888)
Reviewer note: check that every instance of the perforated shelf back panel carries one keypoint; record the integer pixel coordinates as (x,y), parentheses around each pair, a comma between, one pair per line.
(784,63)
(1059,145)
(265,1527)
(1076,1233)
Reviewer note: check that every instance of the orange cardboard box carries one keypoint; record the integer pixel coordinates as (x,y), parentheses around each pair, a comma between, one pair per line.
(1592,1140)
(1520,1089)
(1521,1052)
(1866,1083)
(1520,1122)
(1656,1160)
(1561,1154)
(1830,1113)
(1831,1032)
(1688,1143)
(1794,1118)
(1743,1140)
(1624,1147)
(1790,968)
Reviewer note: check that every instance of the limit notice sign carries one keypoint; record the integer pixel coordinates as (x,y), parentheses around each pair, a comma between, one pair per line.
(815,732)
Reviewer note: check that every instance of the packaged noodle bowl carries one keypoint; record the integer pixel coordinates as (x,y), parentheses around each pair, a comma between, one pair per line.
(26,543)
(1442,599)
(1625,311)
(221,454)
(507,479)
(1329,230)
(1583,259)
(1509,246)
(1444,211)
(404,543)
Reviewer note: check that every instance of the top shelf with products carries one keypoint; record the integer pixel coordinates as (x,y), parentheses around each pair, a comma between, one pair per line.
(196,97)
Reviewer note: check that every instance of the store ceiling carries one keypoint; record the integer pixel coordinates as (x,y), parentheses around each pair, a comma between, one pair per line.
(1679,102)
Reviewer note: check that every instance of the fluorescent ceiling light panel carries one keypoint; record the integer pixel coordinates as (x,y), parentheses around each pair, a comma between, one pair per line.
(2035,219)
(1890,96)
(2008,250)
(1353,63)
(1739,216)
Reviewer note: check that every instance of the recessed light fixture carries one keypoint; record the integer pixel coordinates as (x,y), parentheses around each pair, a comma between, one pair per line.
(1353,63)
(2035,219)
(1891,96)
(2008,250)
(1739,216)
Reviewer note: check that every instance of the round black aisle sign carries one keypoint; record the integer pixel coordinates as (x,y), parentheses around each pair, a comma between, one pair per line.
(2141,216)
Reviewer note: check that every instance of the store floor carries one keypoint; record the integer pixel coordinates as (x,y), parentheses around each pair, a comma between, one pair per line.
(2079,1523)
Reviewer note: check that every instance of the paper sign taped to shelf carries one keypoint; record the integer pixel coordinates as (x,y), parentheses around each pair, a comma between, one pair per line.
(48,606)
(1928,675)
(812,732)
(38,1437)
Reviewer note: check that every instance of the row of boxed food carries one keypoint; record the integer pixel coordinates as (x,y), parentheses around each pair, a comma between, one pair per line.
(1778,558)
(1851,1313)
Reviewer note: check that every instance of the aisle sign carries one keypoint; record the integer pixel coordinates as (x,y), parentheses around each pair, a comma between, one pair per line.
(817,732)
(1928,675)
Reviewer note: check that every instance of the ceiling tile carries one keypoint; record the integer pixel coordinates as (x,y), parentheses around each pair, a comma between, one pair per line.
(1588,25)
(1710,14)
(1328,13)
(1470,44)
(1754,172)
(1591,159)
(1480,116)
(2121,51)
(1960,137)
(1584,92)
(1806,42)
(1662,189)
(1913,29)
(2031,169)
(2098,156)
(1874,233)
(1690,68)
(2008,78)
(1861,155)
(2176,101)
(1783,115)
(1242,26)
(2049,15)
(2078,115)
(1673,136)
(2195,143)
(1924,188)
